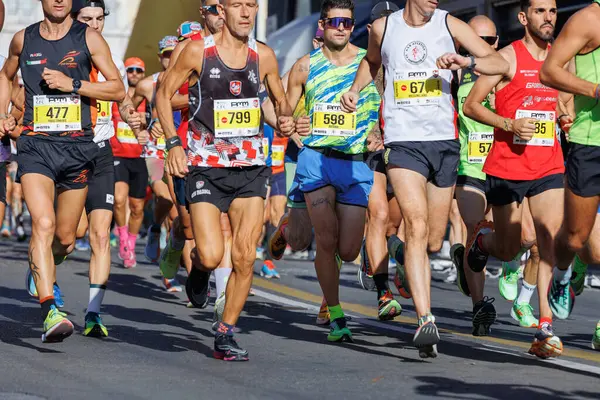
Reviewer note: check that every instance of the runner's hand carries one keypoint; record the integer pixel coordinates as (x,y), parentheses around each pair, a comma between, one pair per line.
(7,125)
(453,61)
(157,130)
(285,125)
(57,80)
(524,128)
(177,162)
(349,101)
(303,126)
(565,124)
(374,143)
(296,139)
(134,120)
(143,137)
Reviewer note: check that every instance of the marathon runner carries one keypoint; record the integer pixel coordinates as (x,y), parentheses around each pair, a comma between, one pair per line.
(56,148)
(422,150)
(525,160)
(226,170)
(578,40)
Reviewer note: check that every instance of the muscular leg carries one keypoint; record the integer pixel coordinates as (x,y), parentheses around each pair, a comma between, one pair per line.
(591,252)
(163,202)
(82,226)
(120,210)
(137,215)
(70,204)
(504,243)
(458,231)
(530,273)
(277,208)
(209,242)
(100,243)
(377,226)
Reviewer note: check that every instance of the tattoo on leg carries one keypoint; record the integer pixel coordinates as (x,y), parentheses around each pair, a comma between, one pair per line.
(35,270)
(321,201)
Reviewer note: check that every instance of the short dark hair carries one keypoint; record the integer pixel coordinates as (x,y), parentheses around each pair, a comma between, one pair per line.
(525,4)
(341,4)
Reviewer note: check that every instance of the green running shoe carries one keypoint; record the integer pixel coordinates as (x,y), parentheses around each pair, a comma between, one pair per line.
(523,314)
(339,332)
(578,275)
(169,261)
(561,298)
(94,326)
(56,326)
(59,260)
(508,282)
(388,307)
(596,338)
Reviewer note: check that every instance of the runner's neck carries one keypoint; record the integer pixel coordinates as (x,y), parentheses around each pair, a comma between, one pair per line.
(538,48)
(413,17)
(55,30)
(342,57)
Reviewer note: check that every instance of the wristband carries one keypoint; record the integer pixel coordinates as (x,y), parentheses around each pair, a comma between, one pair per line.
(472,62)
(175,141)
(597,91)
(506,125)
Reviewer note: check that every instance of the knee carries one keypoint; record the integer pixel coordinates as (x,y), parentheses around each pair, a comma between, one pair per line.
(120,199)
(99,239)
(348,254)
(209,257)
(243,254)
(137,209)
(328,241)
(434,245)
(574,242)
(379,217)
(417,229)
(44,226)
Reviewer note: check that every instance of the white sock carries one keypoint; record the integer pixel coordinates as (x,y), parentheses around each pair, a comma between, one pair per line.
(96,298)
(221,277)
(526,293)
(562,276)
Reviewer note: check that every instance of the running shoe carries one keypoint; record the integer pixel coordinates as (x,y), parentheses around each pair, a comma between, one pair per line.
(227,349)
(123,252)
(396,249)
(523,314)
(484,316)
(545,343)
(457,253)
(388,307)
(260,253)
(476,257)
(58,299)
(339,331)
(172,285)
(5,231)
(94,326)
(114,240)
(59,259)
(251,292)
(364,275)
(596,338)
(130,261)
(30,284)
(56,326)
(277,242)
(218,311)
(561,298)
(401,282)
(578,275)
(169,260)
(268,270)
(82,245)
(427,337)
(196,287)
(152,249)
(21,235)
(452,275)
(323,316)
(508,284)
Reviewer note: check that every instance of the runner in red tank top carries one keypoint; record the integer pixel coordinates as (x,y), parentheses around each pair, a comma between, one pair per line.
(525,163)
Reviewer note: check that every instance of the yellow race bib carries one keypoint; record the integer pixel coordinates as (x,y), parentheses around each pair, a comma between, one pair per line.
(545,128)
(330,120)
(417,88)
(278,155)
(57,113)
(125,134)
(104,112)
(479,146)
(237,118)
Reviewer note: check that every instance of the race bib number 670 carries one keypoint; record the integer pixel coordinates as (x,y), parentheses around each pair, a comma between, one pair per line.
(417,88)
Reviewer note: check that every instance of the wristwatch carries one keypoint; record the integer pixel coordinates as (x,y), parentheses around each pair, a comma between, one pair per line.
(76,86)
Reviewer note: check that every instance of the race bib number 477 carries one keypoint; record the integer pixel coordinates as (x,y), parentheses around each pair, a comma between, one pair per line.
(57,113)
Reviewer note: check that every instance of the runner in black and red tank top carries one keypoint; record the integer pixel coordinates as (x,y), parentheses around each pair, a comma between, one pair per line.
(227,170)
(525,162)
(56,57)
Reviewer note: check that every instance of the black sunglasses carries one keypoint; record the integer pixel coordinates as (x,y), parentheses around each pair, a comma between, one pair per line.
(335,22)
(214,10)
(136,70)
(491,40)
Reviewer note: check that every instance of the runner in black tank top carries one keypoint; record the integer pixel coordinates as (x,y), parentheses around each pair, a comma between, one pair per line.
(56,57)
(227,168)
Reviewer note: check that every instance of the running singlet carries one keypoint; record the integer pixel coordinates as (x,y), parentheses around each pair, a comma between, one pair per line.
(124,144)
(476,139)
(226,123)
(155,148)
(331,127)
(105,128)
(526,97)
(50,112)
(291,152)
(418,104)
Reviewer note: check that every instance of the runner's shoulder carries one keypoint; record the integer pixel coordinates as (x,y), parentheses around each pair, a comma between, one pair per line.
(264,50)
(17,42)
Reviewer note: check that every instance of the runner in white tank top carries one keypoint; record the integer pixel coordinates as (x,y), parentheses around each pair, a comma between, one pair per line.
(420,135)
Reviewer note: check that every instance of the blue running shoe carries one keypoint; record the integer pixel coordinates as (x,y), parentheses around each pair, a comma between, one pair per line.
(268,270)
(82,245)
(30,284)
(58,300)
(152,249)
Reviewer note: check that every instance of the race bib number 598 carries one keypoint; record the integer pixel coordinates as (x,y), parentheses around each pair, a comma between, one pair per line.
(330,120)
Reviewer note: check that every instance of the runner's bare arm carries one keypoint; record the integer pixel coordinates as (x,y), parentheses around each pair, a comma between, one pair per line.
(370,64)
(487,60)
(267,107)
(143,91)
(297,78)
(9,71)
(575,36)
(270,76)
(174,56)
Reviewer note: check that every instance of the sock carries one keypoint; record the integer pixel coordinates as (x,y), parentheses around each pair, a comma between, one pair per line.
(96,298)
(563,277)
(176,244)
(221,278)
(132,240)
(335,312)
(46,303)
(122,232)
(526,293)
(224,329)
(381,283)
(545,320)
(155,228)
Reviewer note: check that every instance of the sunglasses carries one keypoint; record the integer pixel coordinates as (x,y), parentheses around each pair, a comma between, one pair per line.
(136,70)
(214,10)
(335,22)
(491,40)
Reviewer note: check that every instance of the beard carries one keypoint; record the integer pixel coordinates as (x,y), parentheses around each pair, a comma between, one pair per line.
(547,37)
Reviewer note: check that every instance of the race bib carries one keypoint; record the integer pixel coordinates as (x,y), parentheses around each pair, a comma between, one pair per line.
(125,134)
(57,113)
(417,88)
(104,112)
(160,143)
(278,155)
(237,118)
(544,128)
(330,120)
(479,146)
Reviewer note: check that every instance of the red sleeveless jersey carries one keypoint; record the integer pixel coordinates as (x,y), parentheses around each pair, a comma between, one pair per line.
(185,113)
(124,143)
(526,97)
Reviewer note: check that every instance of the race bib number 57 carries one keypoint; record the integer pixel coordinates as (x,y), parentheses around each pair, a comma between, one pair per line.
(237,118)
(57,113)
(417,88)
(545,127)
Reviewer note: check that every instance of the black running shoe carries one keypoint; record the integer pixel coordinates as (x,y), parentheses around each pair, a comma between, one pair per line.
(427,337)
(458,252)
(476,257)
(227,349)
(484,316)
(196,287)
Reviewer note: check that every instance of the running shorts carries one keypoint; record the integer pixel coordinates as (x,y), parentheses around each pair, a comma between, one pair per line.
(501,192)
(277,183)
(3,176)
(464,180)
(134,173)
(101,189)
(583,170)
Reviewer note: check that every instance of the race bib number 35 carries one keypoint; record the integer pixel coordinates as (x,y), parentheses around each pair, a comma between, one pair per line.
(480,144)
(545,127)
(237,118)
(330,120)
(57,113)
(417,88)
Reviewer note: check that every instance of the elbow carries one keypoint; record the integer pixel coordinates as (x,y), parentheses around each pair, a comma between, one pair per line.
(468,109)
(546,75)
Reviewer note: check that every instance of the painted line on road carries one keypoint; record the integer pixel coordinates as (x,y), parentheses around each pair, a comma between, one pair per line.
(359,312)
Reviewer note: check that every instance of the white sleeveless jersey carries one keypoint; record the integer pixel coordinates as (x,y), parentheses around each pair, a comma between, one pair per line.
(418,103)
(105,128)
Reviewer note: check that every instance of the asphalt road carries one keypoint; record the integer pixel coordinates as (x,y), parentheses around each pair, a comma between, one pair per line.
(160,349)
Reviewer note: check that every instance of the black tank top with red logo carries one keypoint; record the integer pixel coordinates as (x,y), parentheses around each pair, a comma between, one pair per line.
(50,112)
